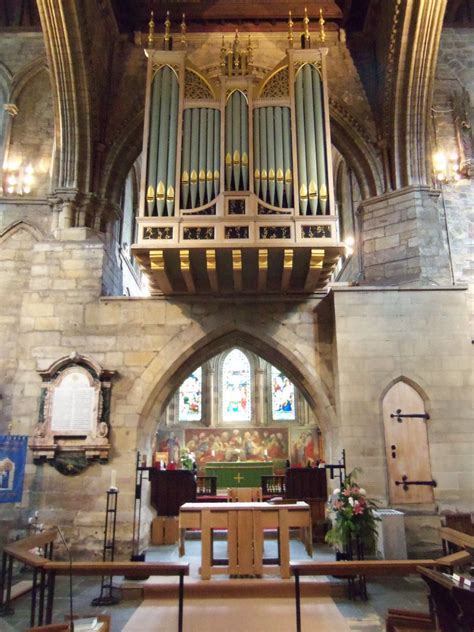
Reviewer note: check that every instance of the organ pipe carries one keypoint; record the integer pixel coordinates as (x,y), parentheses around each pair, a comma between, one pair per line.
(310,143)
(163,139)
(236,142)
(210,154)
(194,156)
(301,147)
(201,156)
(311,150)
(186,159)
(320,144)
(256,147)
(287,158)
(272,155)
(172,141)
(263,153)
(153,144)
(279,160)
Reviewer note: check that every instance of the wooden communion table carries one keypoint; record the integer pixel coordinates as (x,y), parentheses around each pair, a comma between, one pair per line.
(245,524)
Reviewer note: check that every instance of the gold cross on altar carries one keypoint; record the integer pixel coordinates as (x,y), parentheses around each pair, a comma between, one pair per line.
(238,478)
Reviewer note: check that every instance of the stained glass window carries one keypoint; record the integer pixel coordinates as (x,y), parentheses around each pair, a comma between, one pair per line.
(190,398)
(283,396)
(236,387)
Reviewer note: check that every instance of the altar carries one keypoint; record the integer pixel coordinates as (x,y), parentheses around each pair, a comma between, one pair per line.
(239,473)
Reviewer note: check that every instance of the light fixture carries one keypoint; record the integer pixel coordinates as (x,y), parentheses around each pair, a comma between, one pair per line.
(349,244)
(18,179)
(445,168)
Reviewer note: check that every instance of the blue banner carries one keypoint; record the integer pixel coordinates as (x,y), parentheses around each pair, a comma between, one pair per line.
(12,467)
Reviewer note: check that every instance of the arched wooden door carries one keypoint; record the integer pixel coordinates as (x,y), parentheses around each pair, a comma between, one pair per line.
(406,442)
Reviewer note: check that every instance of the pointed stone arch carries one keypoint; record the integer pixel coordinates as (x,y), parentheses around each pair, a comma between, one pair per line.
(415,385)
(19,225)
(25,75)
(189,349)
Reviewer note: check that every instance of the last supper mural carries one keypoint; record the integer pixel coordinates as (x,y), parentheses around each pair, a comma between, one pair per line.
(237,444)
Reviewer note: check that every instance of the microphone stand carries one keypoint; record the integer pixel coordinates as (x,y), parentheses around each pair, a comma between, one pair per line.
(71,615)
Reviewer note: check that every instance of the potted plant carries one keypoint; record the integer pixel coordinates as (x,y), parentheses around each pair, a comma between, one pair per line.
(354,523)
(188,459)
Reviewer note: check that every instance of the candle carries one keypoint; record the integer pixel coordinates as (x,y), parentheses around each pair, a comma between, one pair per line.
(30,520)
(213,453)
(36,514)
(113,479)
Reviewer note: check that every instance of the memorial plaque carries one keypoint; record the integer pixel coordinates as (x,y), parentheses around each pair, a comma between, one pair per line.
(73,405)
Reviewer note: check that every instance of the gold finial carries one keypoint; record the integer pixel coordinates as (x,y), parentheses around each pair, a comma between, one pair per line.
(306,28)
(151,31)
(236,49)
(167,37)
(223,53)
(183,30)
(290,30)
(249,52)
(322,22)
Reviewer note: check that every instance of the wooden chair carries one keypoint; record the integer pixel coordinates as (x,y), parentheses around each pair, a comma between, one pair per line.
(244,494)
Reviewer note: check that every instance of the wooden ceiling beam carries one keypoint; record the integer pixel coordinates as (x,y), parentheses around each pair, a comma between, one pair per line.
(315,267)
(212,269)
(158,269)
(287,269)
(185,267)
(262,269)
(237,269)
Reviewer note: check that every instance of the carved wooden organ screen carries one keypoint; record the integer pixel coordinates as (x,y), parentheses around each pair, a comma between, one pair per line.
(237,163)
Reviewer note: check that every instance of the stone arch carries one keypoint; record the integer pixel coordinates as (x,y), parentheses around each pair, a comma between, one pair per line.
(359,154)
(415,385)
(188,350)
(121,158)
(20,224)
(25,75)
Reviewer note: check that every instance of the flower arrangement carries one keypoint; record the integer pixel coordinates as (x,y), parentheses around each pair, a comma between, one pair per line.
(187,458)
(354,516)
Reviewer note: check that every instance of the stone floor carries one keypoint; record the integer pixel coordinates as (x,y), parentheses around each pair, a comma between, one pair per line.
(247,613)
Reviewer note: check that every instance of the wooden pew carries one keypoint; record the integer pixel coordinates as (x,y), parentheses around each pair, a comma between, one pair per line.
(355,568)
(136,570)
(460,540)
(408,621)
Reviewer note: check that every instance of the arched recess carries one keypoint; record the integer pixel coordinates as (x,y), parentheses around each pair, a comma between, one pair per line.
(405,420)
(30,134)
(184,353)
(19,225)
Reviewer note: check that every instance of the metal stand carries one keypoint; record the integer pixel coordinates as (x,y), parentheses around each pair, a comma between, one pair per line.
(137,513)
(106,597)
(340,466)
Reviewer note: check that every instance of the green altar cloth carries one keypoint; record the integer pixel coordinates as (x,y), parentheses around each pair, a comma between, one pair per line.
(239,473)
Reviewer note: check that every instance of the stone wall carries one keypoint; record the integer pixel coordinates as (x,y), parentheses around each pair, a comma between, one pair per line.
(455,71)
(341,357)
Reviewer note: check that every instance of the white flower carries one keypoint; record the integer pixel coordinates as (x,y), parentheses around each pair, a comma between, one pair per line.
(351,501)
(337,491)
(362,491)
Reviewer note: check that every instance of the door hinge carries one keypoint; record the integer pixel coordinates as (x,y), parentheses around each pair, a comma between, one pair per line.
(399,416)
(405,482)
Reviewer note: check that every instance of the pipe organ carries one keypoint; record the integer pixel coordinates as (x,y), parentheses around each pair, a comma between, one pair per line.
(236,192)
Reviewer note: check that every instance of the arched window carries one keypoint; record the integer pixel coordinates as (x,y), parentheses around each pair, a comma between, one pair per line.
(236,387)
(190,397)
(283,396)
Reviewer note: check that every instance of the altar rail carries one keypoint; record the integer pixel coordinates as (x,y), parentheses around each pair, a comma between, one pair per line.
(45,572)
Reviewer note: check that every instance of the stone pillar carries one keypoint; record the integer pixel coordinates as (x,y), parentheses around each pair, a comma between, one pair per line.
(211,388)
(403,239)
(260,397)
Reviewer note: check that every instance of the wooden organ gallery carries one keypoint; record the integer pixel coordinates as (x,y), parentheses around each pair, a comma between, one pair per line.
(236,191)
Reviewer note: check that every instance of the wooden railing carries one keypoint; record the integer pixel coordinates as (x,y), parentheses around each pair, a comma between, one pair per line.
(356,568)
(45,572)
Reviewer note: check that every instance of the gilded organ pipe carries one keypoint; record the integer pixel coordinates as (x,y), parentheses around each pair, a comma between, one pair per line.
(256,149)
(320,141)
(186,159)
(310,143)
(301,146)
(271,154)
(193,179)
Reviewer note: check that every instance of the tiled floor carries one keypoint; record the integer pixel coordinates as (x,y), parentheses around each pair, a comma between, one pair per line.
(271,609)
